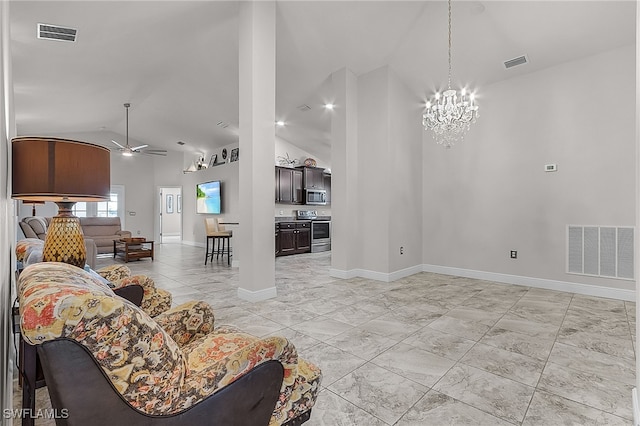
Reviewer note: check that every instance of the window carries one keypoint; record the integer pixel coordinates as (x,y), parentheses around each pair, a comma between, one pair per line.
(80,209)
(108,208)
(113,207)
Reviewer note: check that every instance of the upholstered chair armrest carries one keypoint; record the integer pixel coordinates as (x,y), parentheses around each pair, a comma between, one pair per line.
(114,273)
(217,360)
(124,234)
(187,322)
(92,251)
(155,300)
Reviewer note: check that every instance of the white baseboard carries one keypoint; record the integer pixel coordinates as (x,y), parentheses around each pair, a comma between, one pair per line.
(193,243)
(257,296)
(374,275)
(579,288)
(636,407)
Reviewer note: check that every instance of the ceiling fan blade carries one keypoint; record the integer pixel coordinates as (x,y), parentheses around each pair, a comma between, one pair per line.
(136,148)
(120,146)
(154,152)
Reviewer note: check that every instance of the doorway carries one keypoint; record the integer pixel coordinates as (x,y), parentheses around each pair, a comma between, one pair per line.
(170,214)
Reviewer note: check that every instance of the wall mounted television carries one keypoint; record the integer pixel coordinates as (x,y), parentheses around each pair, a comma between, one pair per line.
(208,198)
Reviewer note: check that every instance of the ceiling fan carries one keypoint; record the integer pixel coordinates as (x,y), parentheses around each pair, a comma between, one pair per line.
(128,151)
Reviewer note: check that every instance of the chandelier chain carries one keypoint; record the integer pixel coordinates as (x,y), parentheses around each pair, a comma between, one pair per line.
(449,79)
(450,113)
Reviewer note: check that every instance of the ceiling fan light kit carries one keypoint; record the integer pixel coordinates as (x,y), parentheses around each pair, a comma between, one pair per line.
(128,151)
(449,115)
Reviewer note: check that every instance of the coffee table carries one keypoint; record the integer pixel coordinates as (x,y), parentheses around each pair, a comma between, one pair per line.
(130,250)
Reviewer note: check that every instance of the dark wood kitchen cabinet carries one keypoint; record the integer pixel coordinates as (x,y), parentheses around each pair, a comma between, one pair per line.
(289,186)
(277,240)
(293,238)
(327,186)
(313,178)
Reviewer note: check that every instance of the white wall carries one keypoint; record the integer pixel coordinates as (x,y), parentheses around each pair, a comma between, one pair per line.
(389,166)
(193,231)
(490,194)
(373,154)
(284,147)
(405,163)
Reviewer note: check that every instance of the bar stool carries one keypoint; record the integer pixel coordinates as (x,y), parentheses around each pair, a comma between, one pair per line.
(217,233)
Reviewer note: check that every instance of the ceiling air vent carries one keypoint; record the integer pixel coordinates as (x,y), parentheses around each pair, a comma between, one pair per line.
(520,60)
(54,32)
(303,107)
(222,124)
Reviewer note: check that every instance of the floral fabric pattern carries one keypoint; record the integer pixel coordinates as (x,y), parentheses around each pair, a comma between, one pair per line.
(187,322)
(26,246)
(154,301)
(160,366)
(114,272)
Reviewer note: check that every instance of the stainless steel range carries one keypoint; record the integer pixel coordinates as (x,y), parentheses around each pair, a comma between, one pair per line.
(320,230)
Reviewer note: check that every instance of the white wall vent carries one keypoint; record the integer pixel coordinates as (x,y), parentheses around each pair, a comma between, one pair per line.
(520,60)
(55,32)
(603,251)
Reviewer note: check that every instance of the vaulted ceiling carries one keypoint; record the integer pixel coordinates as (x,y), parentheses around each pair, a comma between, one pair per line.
(176,62)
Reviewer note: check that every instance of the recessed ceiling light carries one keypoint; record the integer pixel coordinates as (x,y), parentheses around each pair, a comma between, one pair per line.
(329,106)
(280,123)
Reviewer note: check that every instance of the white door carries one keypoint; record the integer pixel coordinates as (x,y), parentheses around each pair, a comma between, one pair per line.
(170,208)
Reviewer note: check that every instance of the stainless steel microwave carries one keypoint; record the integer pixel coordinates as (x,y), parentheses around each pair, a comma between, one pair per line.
(315,197)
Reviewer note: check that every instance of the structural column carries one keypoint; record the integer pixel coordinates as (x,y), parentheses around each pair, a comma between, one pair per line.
(344,176)
(257,82)
(7,212)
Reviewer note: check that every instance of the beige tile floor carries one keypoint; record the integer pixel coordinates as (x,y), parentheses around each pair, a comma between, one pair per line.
(428,349)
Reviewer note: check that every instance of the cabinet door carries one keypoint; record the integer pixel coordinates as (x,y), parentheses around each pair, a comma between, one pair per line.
(313,178)
(303,238)
(297,196)
(287,238)
(285,186)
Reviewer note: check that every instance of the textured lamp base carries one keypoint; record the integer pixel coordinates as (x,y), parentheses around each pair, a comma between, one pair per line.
(65,240)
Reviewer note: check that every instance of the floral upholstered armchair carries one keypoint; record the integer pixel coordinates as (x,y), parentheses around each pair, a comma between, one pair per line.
(108,362)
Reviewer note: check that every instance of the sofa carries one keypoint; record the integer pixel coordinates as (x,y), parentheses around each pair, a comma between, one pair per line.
(101,230)
(35,228)
(107,362)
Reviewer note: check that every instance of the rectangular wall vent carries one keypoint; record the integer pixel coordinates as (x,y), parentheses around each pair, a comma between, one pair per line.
(520,60)
(54,32)
(222,124)
(603,251)
(303,107)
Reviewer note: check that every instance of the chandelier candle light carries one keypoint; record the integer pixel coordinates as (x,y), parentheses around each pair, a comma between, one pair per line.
(449,115)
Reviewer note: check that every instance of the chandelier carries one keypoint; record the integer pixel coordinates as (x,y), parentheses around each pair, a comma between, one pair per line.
(449,115)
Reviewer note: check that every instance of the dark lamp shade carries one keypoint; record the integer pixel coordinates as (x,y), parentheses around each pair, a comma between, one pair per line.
(52,169)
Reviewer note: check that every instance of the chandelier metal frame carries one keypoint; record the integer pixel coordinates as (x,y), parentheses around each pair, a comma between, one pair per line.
(450,115)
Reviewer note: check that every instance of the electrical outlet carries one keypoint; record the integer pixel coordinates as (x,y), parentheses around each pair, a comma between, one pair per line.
(138,232)
(281,212)
(514,254)
(401,250)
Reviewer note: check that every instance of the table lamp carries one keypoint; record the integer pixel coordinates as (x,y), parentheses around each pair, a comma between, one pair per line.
(33,205)
(65,172)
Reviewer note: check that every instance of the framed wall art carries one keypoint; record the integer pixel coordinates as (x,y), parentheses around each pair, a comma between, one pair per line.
(234,154)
